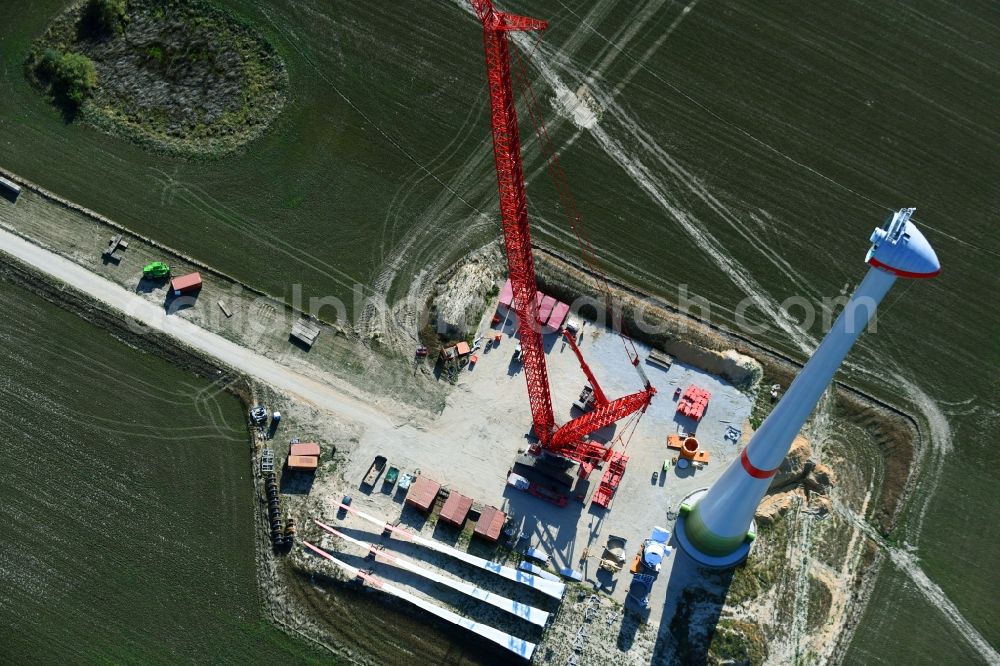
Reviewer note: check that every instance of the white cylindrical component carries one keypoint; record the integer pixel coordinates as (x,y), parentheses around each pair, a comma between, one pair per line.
(721,519)
(714,529)
(770,443)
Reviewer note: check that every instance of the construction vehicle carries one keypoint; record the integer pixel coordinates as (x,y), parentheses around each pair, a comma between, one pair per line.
(536,490)
(374,470)
(568,441)
(548,494)
(613,558)
(258,415)
(391,476)
(585,402)
(155,270)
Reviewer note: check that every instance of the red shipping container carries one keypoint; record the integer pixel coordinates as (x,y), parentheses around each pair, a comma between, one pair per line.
(185,284)
(302,462)
(490,522)
(305,449)
(456,509)
(422,493)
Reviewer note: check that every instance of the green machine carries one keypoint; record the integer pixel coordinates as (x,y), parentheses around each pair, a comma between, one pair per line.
(155,270)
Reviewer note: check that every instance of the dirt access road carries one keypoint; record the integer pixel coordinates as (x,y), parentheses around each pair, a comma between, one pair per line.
(155,317)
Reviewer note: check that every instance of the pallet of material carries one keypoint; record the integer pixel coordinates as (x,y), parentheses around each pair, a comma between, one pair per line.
(10,189)
(305,331)
(656,357)
(267,461)
(116,243)
(545,309)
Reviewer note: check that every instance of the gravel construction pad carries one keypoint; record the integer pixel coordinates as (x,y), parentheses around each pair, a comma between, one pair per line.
(473,443)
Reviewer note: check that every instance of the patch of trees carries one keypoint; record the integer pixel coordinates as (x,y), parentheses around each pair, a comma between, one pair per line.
(103,18)
(71,76)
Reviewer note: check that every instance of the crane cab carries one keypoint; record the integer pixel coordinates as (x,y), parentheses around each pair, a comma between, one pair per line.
(586,401)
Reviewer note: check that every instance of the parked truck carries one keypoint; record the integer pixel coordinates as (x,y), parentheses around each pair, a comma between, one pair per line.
(391,476)
(376,468)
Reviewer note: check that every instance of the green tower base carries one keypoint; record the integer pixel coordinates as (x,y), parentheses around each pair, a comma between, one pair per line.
(702,545)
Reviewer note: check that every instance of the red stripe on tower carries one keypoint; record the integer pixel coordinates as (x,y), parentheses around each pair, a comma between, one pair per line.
(901,273)
(755,472)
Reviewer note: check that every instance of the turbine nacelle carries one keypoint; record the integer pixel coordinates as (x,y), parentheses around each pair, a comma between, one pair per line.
(901,249)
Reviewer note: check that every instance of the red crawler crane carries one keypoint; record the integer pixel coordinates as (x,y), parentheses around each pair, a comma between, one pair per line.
(568,440)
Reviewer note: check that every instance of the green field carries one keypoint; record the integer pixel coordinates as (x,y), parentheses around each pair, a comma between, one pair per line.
(126,501)
(744,148)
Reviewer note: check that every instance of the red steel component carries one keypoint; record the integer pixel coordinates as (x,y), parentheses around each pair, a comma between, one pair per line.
(610,480)
(504,22)
(571,434)
(694,402)
(569,439)
(599,397)
(514,207)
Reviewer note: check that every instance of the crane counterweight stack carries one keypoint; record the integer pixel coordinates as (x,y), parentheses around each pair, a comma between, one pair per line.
(570,439)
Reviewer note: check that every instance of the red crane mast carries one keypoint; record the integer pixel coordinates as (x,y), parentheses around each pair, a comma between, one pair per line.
(567,440)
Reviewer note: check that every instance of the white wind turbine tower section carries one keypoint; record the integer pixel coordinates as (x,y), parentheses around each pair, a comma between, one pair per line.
(715,525)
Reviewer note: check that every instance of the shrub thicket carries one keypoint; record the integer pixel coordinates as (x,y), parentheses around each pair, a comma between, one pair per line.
(104,18)
(72,76)
(183,76)
(45,67)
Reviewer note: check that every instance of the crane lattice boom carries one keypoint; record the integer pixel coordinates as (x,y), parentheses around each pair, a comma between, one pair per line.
(569,440)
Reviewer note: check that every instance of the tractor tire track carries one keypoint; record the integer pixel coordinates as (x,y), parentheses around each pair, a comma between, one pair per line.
(908,564)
